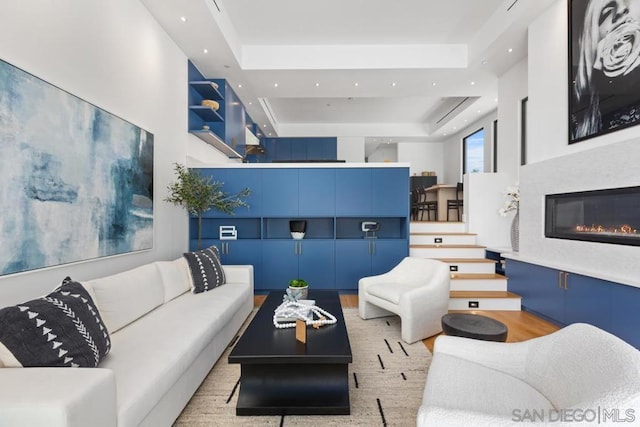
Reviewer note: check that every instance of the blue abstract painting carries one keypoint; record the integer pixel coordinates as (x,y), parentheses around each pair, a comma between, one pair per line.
(76,181)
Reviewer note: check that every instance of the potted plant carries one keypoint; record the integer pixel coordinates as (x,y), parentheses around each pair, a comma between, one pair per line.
(198,194)
(299,287)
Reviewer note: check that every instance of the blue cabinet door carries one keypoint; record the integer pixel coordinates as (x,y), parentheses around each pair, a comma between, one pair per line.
(317,192)
(386,254)
(280,192)
(588,300)
(316,260)
(314,149)
(299,149)
(283,149)
(547,294)
(520,280)
(243,252)
(279,264)
(330,149)
(353,191)
(625,315)
(390,191)
(353,262)
(235,181)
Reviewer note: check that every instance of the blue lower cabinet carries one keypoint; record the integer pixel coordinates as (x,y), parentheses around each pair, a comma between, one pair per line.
(625,315)
(387,254)
(356,259)
(279,264)
(588,300)
(243,252)
(316,261)
(284,260)
(353,262)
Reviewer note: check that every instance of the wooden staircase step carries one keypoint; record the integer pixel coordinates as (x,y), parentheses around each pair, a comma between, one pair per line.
(483,294)
(484,300)
(442,234)
(466,260)
(476,276)
(432,246)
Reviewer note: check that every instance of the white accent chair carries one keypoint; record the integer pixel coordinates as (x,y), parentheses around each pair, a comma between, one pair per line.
(578,371)
(417,290)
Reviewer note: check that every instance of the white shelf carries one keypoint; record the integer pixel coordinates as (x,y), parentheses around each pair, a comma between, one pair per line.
(213,140)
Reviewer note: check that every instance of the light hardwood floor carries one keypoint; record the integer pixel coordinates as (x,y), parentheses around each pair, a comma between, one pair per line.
(522,325)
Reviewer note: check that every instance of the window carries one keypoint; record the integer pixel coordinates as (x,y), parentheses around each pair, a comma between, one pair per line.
(523,131)
(473,152)
(495,145)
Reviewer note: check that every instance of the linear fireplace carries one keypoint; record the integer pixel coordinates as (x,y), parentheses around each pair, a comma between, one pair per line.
(605,216)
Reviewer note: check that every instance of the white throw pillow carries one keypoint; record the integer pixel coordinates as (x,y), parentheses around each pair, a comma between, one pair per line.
(127,296)
(175,277)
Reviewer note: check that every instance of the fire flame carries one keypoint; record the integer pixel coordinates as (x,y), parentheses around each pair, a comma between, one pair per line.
(623,229)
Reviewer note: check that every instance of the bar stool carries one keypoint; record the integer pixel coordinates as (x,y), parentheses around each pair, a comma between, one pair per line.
(457,203)
(426,205)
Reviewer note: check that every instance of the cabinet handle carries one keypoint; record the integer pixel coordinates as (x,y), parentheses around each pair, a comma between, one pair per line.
(295,248)
(226,248)
(300,250)
(560,279)
(566,278)
(373,246)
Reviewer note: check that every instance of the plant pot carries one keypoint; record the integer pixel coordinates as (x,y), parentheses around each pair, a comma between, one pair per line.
(515,232)
(298,228)
(300,292)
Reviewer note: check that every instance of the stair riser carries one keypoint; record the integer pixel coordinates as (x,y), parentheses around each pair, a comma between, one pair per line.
(461,239)
(489,304)
(473,268)
(447,252)
(478,285)
(438,227)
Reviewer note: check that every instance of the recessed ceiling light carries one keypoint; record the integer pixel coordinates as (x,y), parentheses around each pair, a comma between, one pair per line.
(472,83)
(355,84)
(240,85)
(317,84)
(465,120)
(269,133)
(393,84)
(250,103)
(454,128)
(496,99)
(264,126)
(275,85)
(510,50)
(478,110)
(205,50)
(183,18)
(433,83)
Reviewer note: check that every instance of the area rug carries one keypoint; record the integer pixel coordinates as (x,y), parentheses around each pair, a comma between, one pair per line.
(387,378)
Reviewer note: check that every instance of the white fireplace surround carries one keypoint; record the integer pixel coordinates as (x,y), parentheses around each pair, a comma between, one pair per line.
(610,166)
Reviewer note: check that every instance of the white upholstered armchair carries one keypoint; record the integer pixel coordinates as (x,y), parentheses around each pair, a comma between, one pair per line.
(417,290)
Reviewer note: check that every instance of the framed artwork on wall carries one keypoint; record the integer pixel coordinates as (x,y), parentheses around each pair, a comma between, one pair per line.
(77,181)
(604,67)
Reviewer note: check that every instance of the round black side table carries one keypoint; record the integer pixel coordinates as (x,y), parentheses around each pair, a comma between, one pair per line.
(474,326)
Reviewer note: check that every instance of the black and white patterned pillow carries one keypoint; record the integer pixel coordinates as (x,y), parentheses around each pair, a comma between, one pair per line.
(206,269)
(63,328)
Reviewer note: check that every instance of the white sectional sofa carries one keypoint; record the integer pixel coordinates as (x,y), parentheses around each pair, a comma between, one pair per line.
(577,375)
(164,341)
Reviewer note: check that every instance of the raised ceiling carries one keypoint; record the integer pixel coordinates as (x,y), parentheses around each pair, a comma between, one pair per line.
(405,70)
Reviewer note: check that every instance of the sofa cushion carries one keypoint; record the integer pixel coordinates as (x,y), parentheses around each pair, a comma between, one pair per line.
(390,291)
(62,329)
(127,296)
(155,351)
(175,277)
(206,269)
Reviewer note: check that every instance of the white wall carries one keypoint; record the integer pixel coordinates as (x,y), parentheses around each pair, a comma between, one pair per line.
(114,55)
(351,149)
(422,156)
(384,153)
(483,196)
(512,89)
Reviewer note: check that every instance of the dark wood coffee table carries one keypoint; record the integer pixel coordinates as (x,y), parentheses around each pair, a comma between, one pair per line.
(280,376)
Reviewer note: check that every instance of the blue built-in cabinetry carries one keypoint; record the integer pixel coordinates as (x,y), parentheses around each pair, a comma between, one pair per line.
(334,253)
(223,128)
(565,297)
(299,149)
